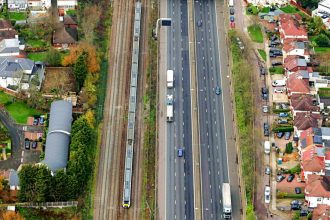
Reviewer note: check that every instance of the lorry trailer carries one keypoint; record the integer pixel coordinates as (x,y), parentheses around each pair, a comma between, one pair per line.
(226,198)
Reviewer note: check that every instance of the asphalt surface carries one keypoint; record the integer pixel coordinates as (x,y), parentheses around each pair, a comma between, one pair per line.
(179,186)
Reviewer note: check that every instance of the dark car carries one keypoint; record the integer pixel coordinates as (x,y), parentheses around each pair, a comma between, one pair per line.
(296,202)
(35,121)
(287,135)
(297,190)
(42,120)
(217,90)
(279,134)
(276,63)
(180,152)
(232,11)
(290,178)
(266,129)
(264,93)
(304,212)
(232,19)
(295,207)
(273,37)
(27,144)
(324,16)
(34,144)
(280,178)
(282,121)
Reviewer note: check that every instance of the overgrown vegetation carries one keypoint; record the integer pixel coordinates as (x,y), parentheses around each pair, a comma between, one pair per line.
(149,147)
(283,195)
(48,214)
(255,33)
(242,80)
(296,169)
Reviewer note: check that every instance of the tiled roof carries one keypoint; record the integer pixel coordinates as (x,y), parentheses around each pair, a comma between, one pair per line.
(292,62)
(305,120)
(5,24)
(321,212)
(314,164)
(291,27)
(317,186)
(64,35)
(303,102)
(297,85)
(289,45)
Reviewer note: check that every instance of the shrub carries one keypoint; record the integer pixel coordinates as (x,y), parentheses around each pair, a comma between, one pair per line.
(283,129)
(296,169)
(288,148)
(281,195)
(322,40)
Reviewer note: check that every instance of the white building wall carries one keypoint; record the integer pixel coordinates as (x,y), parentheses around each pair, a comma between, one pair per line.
(9,54)
(314,201)
(5,81)
(68,4)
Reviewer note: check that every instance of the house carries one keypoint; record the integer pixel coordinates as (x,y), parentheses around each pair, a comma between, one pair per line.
(303,103)
(10,47)
(69,22)
(39,4)
(296,48)
(6,30)
(290,28)
(67,4)
(64,37)
(321,212)
(268,2)
(13,180)
(17,5)
(294,63)
(58,137)
(271,16)
(312,161)
(322,8)
(19,73)
(296,85)
(305,120)
(317,190)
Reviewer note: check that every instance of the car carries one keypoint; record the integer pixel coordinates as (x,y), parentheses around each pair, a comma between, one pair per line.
(272,55)
(232,11)
(268,170)
(282,121)
(287,135)
(279,90)
(34,144)
(232,25)
(276,63)
(267,194)
(262,71)
(42,120)
(324,16)
(266,129)
(280,178)
(284,106)
(199,23)
(27,144)
(217,90)
(304,212)
(296,202)
(264,93)
(232,19)
(180,152)
(295,207)
(279,134)
(283,114)
(290,178)
(273,37)
(35,121)
(265,109)
(297,190)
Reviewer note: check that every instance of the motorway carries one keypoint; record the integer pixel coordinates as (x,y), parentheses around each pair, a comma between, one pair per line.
(179,181)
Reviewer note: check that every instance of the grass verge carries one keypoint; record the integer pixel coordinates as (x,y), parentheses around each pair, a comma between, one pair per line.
(276,70)
(255,33)
(149,143)
(263,54)
(242,81)
(289,9)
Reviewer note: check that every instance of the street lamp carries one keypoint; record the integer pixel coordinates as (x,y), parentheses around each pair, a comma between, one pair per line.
(163,22)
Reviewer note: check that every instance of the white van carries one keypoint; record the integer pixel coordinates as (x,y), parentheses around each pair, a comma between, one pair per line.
(279,82)
(267,147)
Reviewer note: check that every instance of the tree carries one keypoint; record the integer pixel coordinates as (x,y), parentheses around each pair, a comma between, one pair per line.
(11,215)
(296,215)
(90,117)
(309,4)
(53,57)
(43,183)
(315,25)
(36,100)
(3,134)
(322,40)
(59,190)
(80,69)
(89,19)
(28,188)
(288,148)
(53,20)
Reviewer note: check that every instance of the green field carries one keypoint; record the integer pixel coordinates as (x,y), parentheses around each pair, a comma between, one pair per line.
(289,9)
(263,54)
(17,16)
(39,56)
(255,33)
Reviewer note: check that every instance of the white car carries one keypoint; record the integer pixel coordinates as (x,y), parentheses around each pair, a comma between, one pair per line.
(267,194)
(265,109)
(279,90)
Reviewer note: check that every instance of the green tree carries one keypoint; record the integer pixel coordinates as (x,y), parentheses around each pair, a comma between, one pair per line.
(3,133)
(27,179)
(80,69)
(322,40)
(288,148)
(296,215)
(43,183)
(315,25)
(60,187)
(309,4)
(53,57)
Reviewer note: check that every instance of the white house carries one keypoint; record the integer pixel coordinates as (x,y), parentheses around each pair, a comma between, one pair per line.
(10,47)
(317,190)
(17,5)
(323,8)
(296,48)
(67,4)
(44,4)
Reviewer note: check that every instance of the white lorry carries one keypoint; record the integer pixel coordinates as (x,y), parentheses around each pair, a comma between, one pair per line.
(226,198)
(169,108)
(170,78)
(231,3)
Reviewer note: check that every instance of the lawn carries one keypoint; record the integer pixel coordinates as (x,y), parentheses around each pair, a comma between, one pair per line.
(40,56)
(17,16)
(322,49)
(276,70)
(324,92)
(5,98)
(263,54)
(20,111)
(36,43)
(265,10)
(255,33)
(290,9)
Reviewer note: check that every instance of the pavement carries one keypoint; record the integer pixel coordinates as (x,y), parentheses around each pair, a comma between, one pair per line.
(179,174)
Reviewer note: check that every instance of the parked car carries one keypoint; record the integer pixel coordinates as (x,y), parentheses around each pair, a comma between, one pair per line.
(267,194)
(273,37)
(279,90)
(232,25)
(27,144)
(290,178)
(279,178)
(282,121)
(264,92)
(35,121)
(279,134)
(42,120)
(295,207)
(283,114)
(324,16)
(287,135)
(268,170)
(180,152)
(296,202)
(34,144)
(277,63)
(232,19)
(265,109)
(272,55)
(297,190)
(232,11)
(304,212)
(266,129)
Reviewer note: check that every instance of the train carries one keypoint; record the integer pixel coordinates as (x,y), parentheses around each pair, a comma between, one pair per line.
(127,190)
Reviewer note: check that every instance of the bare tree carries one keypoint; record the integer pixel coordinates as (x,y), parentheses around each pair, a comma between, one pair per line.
(89,20)
(53,20)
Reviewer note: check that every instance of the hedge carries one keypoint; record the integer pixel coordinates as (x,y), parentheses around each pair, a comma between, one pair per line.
(283,195)
(280,110)
(283,129)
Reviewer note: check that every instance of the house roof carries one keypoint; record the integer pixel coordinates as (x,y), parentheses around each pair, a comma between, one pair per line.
(303,102)
(5,24)
(291,27)
(7,34)
(317,186)
(9,46)
(13,178)
(321,212)
(292,62)
(64,35)
(58,138)
(9,66)
(305,120)
(289,45)
(297,85)
(68,20)
(314,164)
(304,74)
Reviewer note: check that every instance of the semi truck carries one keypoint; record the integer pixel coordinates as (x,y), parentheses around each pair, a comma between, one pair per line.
(169,108)
(226,198)
(170,78)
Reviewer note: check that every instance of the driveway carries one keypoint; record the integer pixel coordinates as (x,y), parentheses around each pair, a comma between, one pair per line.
(289,187)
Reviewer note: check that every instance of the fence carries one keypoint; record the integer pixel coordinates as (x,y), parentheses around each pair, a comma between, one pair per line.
(48,204)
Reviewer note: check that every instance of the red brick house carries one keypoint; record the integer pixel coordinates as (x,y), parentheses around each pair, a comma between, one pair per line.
(290,28)
(297,85)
